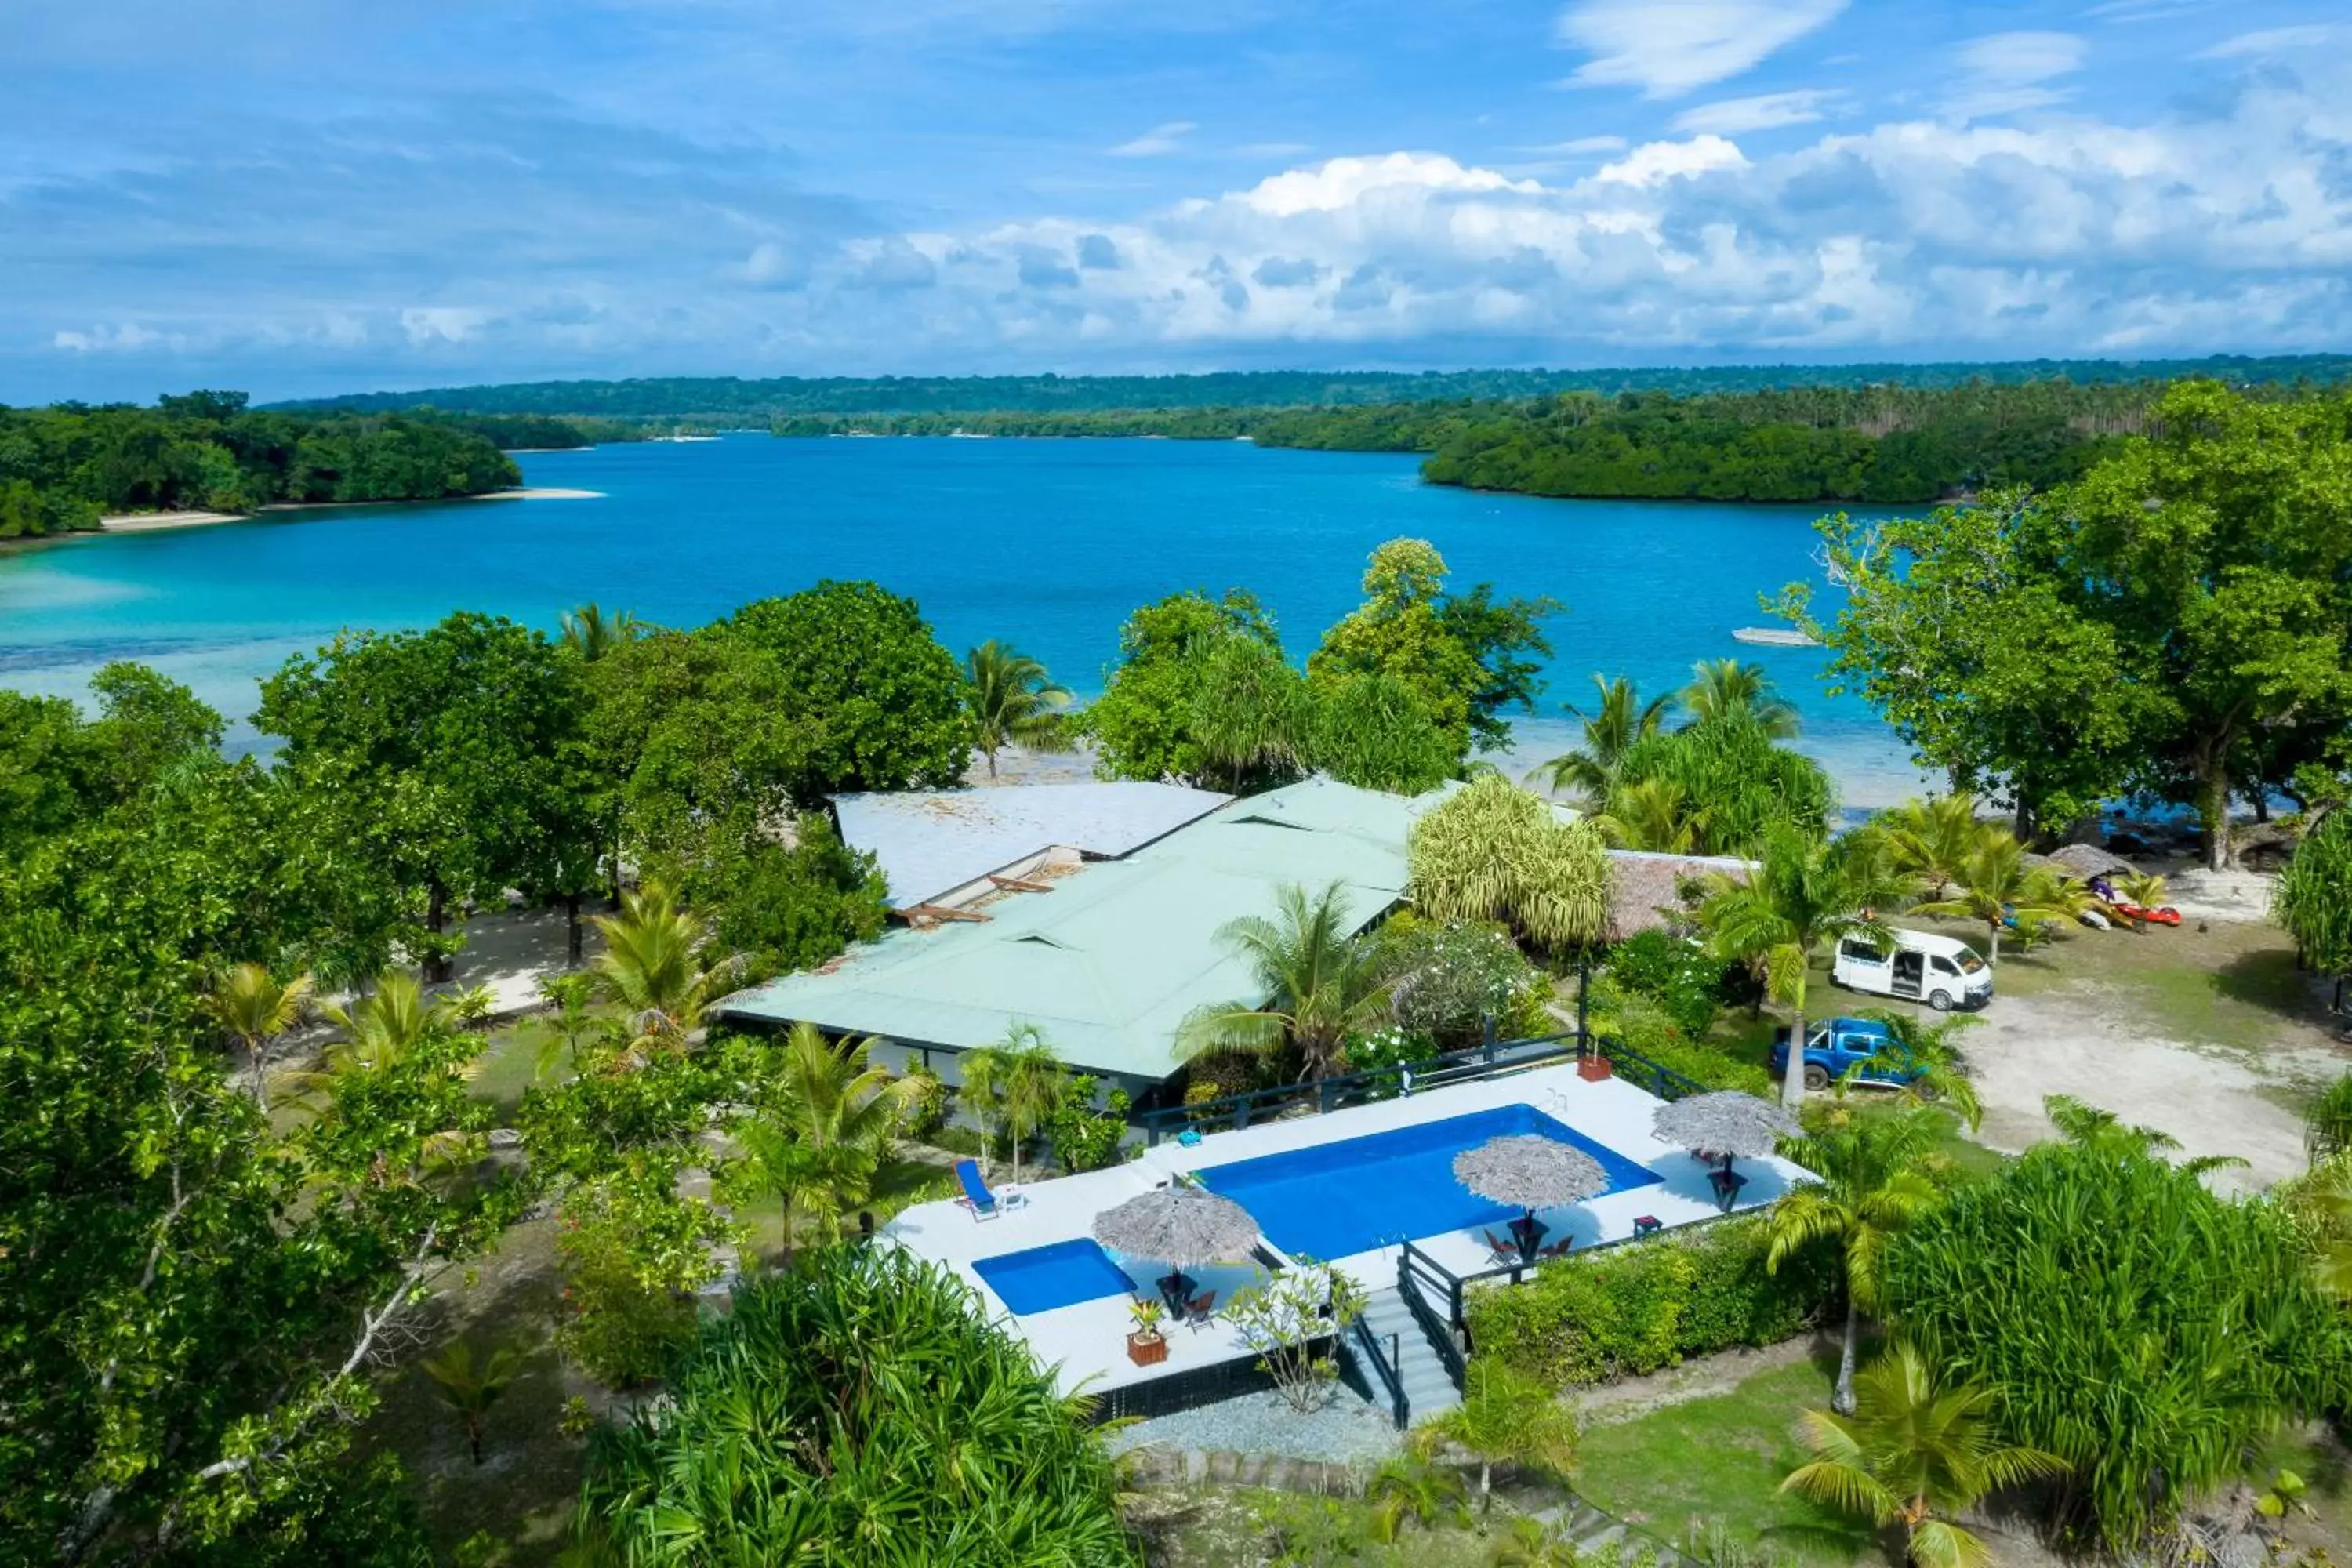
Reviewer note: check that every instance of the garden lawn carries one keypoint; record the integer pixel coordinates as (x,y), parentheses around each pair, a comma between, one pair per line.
(1722,1458)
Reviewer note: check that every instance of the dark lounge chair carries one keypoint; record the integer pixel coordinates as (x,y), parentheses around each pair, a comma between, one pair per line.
(1504,1251)
(1558,1248)
(1199,1310)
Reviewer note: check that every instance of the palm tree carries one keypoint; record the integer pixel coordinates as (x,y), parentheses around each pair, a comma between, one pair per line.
(983,1071)
(1320,983)
(1653,815)
(1013,700)
(384,1027)
(1589,772)
(592,634)
(470,1387)
(1870,1190)
(1505,1417)
(655,964)
(1940,1080)
(1034,1087)
(1910,1453)
(1932,839)
(1800,894)
(1531,1543)
(825,1121)
(1407,1488)
(1722,687)
(1996,886)
(258,1009)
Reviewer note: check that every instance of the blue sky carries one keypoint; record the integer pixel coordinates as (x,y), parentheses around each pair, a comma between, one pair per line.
(311,196)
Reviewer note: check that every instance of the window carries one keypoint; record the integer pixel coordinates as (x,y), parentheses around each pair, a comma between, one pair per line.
(1944,966)
(1861,952)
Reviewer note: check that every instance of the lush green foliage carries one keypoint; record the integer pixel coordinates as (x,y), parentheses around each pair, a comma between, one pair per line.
(1716,786)
(1636,1307)
(1321,985)
(1448,978)
(62,468)
(1678,974)
(1631,1021)
(2125,1318)
(1494,852)
(1013,700)
(2315,895)
(856,1406)
(2179,620)
(1145,723)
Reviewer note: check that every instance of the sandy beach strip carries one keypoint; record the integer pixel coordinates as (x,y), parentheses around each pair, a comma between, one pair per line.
(150,521)
(535,492)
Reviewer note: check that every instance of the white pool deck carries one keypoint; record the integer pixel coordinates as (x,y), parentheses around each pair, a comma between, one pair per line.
(1086,1343)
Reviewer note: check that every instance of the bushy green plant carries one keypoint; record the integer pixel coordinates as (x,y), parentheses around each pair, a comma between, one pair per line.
(1451,976)
(927,1105)
(634,1254)
(1642,1024)
(1388,1047)
(1085,1139)
(1221,1073)
(1633,1308)
(1678,974)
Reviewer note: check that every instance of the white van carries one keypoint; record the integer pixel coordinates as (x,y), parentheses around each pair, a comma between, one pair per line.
(1941,971)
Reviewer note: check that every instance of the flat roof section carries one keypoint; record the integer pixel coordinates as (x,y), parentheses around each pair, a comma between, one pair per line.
(932,843)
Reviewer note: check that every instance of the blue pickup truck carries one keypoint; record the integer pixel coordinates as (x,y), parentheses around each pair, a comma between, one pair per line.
(1836,1045)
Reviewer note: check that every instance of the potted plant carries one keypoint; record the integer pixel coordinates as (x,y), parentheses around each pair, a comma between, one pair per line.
(1592,1068)
(1146,1346)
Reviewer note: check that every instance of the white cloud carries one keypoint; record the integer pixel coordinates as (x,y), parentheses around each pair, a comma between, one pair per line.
(1577,148)
(443,323)
(2277,41)
(1157,141)
(2003,73)
(123,337)
(1765,111)
(1667,47)
(1654,163)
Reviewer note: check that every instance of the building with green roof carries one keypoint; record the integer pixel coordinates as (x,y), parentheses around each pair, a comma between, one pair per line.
(1108,959)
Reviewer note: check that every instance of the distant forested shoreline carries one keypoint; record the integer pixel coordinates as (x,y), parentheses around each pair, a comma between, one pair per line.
(732,399)
(64,468)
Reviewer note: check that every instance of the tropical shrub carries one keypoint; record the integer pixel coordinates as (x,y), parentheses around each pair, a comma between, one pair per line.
(1642,1024)
(1492,851)
(1085,1139)
(1448,977)
(1290,1321)
(1680,975)
(634,1254)
(1388,1047)
(926,1105)
(2315,896)
(1633,1308)
(2125,1318)
(1733,779)
(948,1448)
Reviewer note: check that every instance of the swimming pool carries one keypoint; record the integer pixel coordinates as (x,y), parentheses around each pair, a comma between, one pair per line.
(1060,1275)
(1364,1193)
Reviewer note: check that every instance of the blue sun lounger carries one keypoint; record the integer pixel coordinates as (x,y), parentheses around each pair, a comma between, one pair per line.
(976,1195)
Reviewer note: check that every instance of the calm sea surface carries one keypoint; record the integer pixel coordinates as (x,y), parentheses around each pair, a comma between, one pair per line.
(1046,544)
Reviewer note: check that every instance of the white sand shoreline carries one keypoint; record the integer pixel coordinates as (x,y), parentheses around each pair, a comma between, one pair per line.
(153,521)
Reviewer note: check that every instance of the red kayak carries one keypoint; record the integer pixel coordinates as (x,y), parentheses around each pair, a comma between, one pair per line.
(2166,916)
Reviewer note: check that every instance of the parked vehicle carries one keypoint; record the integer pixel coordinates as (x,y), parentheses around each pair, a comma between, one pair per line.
(1943,972)
(1837,1045)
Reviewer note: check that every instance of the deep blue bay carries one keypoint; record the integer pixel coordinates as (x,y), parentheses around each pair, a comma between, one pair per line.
(1048,543)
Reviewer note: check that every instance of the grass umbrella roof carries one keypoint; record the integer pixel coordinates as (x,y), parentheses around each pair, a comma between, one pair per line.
(1179,1225)
(1723,1123)
(1531,1171)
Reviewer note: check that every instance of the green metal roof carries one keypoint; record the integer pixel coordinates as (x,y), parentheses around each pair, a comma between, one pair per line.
(1111,960)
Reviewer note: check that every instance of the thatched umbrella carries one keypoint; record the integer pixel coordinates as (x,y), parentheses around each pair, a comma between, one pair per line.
(1532,1172)
(1180,1225)
(1723,1124)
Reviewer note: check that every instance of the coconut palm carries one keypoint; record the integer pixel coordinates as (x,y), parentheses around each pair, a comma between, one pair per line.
(1932,838)
(1800,894)
(656,965)
(1622,717)
(1013,700)
(258,1009)
(1654,815)
(1928,1045)
(386,1026)
(1320,983)
(1912,1452)
(1722,687)
(592,634)
(1870,1188)
(1531,1543)
(1505,1417)
(1409,1489)
(824,1121)
(1996,886)
(470,1387)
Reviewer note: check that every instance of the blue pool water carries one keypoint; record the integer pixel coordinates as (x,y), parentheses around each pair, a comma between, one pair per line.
(1061,1275)
(1048,543)
(1352,1196)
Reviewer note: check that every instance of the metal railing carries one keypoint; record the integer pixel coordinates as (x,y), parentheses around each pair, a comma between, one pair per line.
(1417,1274)
(1387,1369)
(1641,1071)
(1233,1111)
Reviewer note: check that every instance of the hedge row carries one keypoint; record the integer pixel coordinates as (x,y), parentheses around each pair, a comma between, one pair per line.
(1633,1308)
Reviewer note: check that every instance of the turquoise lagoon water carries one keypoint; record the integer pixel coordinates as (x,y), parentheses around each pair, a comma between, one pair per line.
(1046,543)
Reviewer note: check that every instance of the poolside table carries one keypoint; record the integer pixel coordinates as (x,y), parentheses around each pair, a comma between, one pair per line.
(1528,1232)
(1176,1292)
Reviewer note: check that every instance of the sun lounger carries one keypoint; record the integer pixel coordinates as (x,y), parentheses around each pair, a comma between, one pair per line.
(982,1202)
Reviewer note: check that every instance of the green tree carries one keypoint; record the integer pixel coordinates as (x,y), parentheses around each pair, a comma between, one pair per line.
(822,1122)
(592,632)
(2170,1330)
(1143,724)
(1722,688)
(1369,731)
(470,1385)
(1492,851)
(2314,899)
(1320,983)
(885,700)
(258,1009)
(1250,719)
(1996,886)
(1720,783)
(949,1447)
(1913,1454)
(149,724)
(656,967)
(1800,894)
(1589,774)
(1870,1188)
(1014,702)
(448,741)
(1505,1417)
(1019,1084)
(1932,839)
